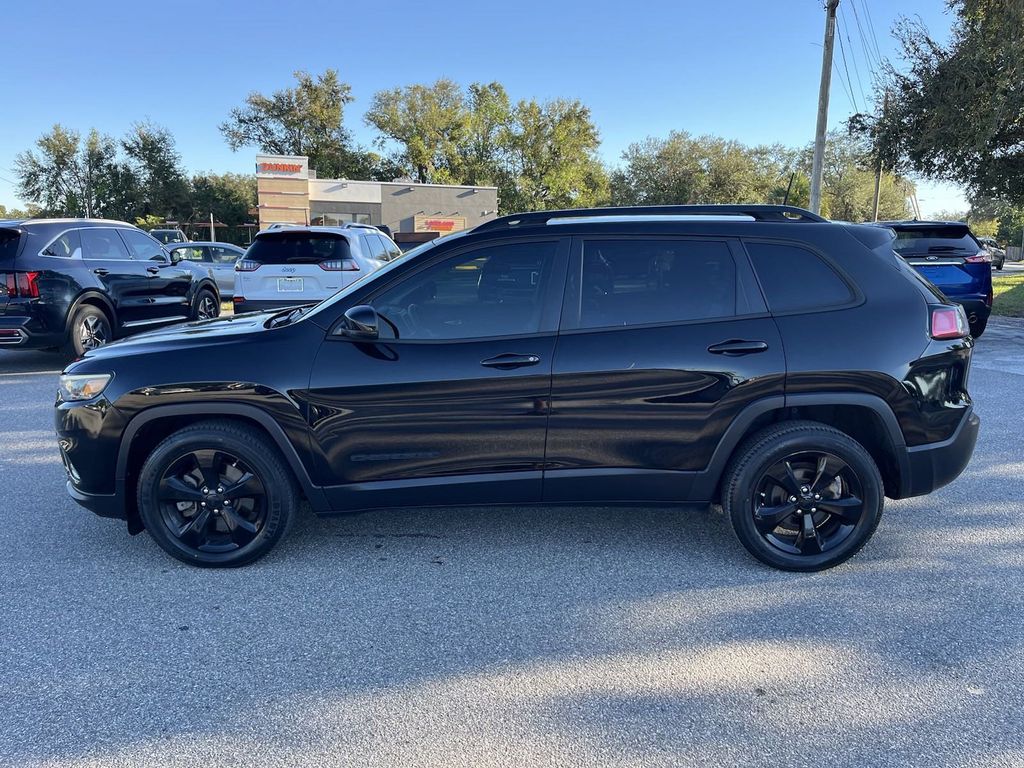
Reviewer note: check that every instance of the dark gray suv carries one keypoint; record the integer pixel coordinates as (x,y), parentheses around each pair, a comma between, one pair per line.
(75,284)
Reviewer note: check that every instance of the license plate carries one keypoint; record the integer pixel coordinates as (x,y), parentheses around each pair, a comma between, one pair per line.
(289,284)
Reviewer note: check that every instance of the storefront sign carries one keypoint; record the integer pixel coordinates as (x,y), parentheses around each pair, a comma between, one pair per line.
(278,166)
(441,224)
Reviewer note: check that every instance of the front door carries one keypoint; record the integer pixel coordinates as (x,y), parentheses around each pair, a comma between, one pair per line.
(664,340)
(451,404)
(167,294)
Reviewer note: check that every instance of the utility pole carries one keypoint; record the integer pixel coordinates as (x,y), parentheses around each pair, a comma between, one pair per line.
(823,94)
(878,162)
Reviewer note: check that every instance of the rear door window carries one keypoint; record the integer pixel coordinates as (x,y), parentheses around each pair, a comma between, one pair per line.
(640,282)
(103,243)
(290,247)
(221,255)
(795,279)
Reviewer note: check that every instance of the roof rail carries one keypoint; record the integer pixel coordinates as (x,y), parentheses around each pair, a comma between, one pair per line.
(756,212)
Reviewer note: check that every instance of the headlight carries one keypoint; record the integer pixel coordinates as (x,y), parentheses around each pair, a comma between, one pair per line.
(84,387)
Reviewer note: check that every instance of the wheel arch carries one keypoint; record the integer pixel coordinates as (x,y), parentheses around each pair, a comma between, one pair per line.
(95,299)
(149,427)
(868,419)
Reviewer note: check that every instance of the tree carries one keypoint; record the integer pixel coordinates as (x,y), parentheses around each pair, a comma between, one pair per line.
(17,213)
(552,158)
(957,113)
(229,197)
(304,120)
(430,125)
(71,177)
(162,186)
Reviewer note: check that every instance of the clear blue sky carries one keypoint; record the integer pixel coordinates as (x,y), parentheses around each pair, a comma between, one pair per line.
(743,69)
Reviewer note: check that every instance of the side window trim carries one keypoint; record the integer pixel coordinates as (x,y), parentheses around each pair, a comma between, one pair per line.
(551,302)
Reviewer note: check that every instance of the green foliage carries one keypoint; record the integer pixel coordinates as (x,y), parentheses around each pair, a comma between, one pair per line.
(229,197)
(154,166)
(304,120)
(682,169)
(18,213)
(149,222)
(957,113)
(539,155)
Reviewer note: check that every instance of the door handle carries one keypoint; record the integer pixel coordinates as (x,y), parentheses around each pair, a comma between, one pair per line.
(735,347)
(101,272)
(153,271)
(509,361)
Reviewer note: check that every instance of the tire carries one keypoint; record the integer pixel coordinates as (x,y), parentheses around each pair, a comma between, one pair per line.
(831,537)
(978,327)
(206,305)
(999,267)
(220,528)
(90,329)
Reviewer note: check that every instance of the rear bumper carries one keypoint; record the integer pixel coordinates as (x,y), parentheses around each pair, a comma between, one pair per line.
(933,465)
(23,332)
(249,305)
(976,308)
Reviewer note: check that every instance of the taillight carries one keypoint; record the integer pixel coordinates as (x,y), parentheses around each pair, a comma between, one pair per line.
(981,257)
(23,285)
(339,265)
(246,265)
(949,323)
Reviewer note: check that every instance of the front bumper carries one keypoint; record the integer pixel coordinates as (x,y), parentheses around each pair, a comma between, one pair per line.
(104,505)
(933,465)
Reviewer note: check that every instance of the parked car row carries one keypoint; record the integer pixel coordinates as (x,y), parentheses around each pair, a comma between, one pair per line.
(74,285)
(795,370)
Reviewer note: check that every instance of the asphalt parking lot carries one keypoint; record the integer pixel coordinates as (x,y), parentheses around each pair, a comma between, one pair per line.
(515,636)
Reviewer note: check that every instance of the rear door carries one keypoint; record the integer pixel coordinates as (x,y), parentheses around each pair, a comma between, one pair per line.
(296,265)
(167,286)
(125,280)
(664,341)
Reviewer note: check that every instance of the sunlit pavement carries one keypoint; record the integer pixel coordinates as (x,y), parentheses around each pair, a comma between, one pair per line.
(515,636)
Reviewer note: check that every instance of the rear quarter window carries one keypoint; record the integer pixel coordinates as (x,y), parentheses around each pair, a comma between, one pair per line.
(9,239)
(289,247)
(795,279)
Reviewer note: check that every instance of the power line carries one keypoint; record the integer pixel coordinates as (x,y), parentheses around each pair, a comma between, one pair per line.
(844,28)
(873,64)
(871,26)
(842,53)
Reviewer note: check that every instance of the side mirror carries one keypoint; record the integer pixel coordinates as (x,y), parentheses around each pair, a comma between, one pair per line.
(360,323)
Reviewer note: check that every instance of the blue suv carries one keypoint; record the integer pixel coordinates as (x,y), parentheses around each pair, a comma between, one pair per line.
(951,258)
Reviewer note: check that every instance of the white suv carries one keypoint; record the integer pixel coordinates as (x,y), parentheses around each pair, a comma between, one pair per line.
(286,266)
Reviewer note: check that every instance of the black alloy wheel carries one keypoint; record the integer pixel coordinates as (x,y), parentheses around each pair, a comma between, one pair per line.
(212,501)
(802,496)
(206,306)
(807,503)
(217,494)
(90,329)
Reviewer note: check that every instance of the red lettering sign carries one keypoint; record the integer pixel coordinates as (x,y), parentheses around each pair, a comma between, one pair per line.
(440,225)
(280,167)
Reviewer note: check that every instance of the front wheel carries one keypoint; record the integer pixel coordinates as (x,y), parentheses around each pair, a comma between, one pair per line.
(803,496)
(217,494)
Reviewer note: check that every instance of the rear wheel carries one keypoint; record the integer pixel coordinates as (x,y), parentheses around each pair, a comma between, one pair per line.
(90,329)
(206,306)
(217,494)
(803,496)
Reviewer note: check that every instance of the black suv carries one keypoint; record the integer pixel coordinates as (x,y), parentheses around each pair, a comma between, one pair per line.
(793,369)
(75,284)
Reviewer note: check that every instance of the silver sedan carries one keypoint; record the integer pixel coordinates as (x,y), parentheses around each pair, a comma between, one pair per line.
(220,258)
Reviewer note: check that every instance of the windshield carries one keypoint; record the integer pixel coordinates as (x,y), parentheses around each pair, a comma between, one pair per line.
(380,273)
(952,238)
